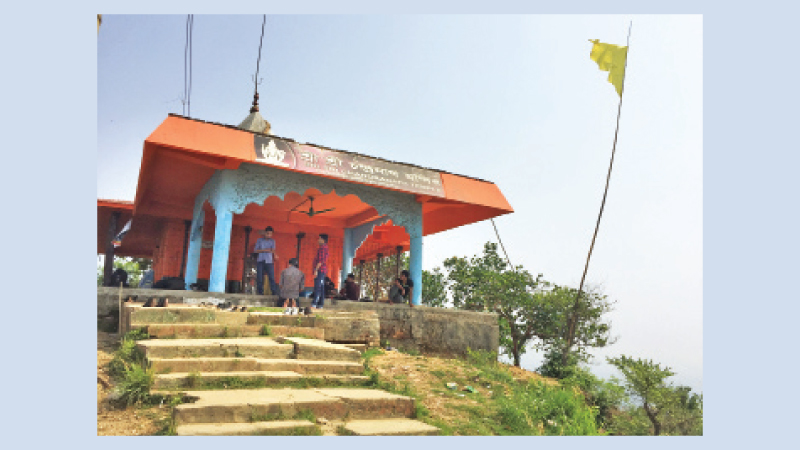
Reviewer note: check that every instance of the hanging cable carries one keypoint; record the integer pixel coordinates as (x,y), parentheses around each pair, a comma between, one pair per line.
(189,96)
(501,244)
(185,66)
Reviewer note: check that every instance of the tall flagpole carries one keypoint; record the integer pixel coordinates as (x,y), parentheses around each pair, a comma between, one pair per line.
(574,316)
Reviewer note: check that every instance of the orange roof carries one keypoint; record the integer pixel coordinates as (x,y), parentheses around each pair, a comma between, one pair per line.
(182,154)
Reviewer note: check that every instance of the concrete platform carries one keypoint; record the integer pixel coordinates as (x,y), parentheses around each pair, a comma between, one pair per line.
(321,350)
(278,427)
(390,427)
(192,348)
(172,365)
(242,405)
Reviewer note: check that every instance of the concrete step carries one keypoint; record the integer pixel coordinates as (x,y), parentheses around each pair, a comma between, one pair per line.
(268,318)
(189,380)
(321,350)
(190,331)
(272,428)
(249,405)
(390,427)
(167,365)
(185,314)
(261,347)
(360,348)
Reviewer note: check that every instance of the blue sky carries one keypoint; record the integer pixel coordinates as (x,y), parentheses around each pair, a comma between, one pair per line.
(511,99)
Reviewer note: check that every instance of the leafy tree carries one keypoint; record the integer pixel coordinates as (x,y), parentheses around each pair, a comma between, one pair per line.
(684,413)
(488,283)
(646,381)
(433,288)
(592,330)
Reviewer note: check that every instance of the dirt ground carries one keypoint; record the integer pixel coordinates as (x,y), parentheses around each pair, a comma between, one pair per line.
(111,421)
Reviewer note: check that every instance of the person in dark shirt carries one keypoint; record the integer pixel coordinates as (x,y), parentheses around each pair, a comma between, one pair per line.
(396,292)
(320,266)
(330,287)
(119,276)
(408,287)
(351,290)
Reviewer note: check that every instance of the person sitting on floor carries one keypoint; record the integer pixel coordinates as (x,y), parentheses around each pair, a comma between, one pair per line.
(351,290)
(396,292)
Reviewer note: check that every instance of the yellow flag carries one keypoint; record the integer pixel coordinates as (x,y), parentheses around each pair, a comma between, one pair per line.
(611,58)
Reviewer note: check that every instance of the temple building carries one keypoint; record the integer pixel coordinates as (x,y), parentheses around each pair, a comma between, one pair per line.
(205,190)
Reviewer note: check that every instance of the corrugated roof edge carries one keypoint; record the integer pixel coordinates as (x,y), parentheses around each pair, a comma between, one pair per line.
(328,148)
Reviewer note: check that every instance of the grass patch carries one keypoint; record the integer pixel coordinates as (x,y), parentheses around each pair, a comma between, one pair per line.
(266,330)
(305,414)
(265,309)
(297,431)
(342,431)
(197,382)
(300,335)
(438,373)
(409,351)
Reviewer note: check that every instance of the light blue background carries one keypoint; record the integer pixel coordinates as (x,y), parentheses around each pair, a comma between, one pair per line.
(750,230)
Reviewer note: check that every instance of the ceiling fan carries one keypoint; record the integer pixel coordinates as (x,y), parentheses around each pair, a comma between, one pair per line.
(310,212)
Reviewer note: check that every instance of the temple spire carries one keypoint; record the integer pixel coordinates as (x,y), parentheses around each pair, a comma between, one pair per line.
(254,121)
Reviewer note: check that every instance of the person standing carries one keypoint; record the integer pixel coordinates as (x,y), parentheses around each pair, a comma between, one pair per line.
(265,248)
(408,287)
(292,282)
(320,269)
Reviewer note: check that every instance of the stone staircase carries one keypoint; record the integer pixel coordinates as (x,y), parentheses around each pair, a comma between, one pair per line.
(252,384)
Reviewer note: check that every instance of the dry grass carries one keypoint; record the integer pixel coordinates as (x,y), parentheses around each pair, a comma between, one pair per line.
(457,412)
(131,421)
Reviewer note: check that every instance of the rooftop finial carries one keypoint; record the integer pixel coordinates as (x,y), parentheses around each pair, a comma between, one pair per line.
(254,108)
(254,122)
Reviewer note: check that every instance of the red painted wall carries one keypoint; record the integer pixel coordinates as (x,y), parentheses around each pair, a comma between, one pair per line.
(168,256)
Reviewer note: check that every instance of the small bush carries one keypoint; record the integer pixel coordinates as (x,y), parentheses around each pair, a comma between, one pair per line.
(136,335)
(126,354)
(305,414)
(266,330)
(134,387)
(538,409)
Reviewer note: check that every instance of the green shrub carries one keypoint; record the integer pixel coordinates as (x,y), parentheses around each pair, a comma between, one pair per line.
(606,396)
(136,335)
(266,330)
(134,387)
(126,354)
(538,409)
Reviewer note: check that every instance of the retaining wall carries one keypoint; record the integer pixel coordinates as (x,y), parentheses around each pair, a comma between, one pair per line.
(432,330)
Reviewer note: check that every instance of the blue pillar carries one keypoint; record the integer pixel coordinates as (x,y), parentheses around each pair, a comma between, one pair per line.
(415,267)
(414,230)
(195,245)
(222,244)
(348,253)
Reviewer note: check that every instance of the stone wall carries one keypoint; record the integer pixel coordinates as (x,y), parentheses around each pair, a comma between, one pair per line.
(432,330)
